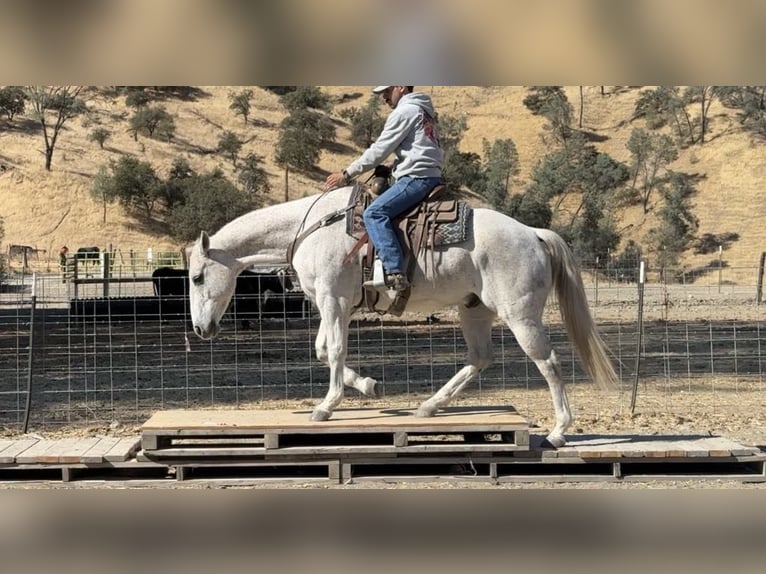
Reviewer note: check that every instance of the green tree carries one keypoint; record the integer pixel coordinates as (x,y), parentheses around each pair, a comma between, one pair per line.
(103,189)
(501,164)
(651,154)
(458,169)
(137,97)
(301,137)
(704,96)
(576,168)
(366,122)
(99,135)
(13,100)
(655,106)
(279,90)
(136,186)
(174,187)
(53,106)
(210,201)
(590,179)
(551,102)
(451,131)
(254,178)
(230,145)
(464,169)
(239,103)
(750,103)
(306,97)
(678,225)
(668,105)
(531,208)
(593,234)
(153,121)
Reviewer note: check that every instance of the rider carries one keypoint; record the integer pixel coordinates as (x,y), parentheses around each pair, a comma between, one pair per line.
(410,133)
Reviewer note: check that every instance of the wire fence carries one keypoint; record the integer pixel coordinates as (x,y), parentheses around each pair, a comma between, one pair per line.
(71,356)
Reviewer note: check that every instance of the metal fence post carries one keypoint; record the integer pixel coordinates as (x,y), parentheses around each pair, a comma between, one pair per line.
(105,274)
(30,364)
(638,338)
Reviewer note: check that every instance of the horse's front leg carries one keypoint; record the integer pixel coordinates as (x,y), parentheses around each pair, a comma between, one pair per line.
(335,318)
(365,385)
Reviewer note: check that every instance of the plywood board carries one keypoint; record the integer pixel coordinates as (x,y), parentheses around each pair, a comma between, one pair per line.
(67,450)
(97,452)
(649,447)
(366,420)
(9,454)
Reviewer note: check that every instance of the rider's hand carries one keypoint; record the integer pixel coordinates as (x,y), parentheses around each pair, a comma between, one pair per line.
(337,179)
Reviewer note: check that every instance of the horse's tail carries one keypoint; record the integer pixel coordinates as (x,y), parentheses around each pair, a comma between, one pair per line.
(573,305)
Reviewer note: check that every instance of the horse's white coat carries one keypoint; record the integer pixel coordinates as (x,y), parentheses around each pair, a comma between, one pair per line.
(510,267)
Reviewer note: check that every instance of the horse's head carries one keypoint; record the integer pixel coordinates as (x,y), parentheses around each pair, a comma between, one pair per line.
(212,280)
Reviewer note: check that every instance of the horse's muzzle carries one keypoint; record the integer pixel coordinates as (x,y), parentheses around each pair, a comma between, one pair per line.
(207,334)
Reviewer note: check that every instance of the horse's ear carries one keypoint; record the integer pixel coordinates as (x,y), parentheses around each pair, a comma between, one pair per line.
(204,244)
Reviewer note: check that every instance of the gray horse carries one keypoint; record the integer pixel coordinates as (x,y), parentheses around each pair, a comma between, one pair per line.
(505,269)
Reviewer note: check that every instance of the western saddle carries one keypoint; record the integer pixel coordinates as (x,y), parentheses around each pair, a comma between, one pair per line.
(418,229)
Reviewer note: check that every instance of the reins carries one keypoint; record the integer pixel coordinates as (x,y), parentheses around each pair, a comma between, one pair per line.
(326,220)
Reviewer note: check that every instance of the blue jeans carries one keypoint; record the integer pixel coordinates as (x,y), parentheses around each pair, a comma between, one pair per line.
(402,196)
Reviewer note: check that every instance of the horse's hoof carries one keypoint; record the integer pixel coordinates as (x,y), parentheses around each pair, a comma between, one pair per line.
(369,387)
(426,411)
(553,441)
(319,416)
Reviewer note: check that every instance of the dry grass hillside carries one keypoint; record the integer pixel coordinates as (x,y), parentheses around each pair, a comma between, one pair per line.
(50,209)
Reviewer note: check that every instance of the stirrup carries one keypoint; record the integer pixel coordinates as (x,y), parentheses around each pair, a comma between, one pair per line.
(378,280)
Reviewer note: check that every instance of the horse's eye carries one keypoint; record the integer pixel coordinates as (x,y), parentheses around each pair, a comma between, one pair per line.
(197,279)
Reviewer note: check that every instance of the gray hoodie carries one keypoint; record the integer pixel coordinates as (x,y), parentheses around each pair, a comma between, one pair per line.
(411,133)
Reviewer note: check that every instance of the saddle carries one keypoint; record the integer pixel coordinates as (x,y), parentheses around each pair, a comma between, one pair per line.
(435,222)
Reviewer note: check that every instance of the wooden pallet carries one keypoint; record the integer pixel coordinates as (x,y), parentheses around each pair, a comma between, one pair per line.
(375,445)
(190,434)
(461,443)
(251,468)
(745,469)
(585,458)
(48,457)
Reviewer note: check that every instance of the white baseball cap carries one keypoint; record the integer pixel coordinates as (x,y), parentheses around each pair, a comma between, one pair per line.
(379,89)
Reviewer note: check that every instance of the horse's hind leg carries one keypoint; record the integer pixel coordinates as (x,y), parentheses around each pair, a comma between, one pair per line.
(365,385)
(477,331)
(532,338)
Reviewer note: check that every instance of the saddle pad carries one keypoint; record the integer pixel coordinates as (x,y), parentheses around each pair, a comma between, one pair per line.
(454,232)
